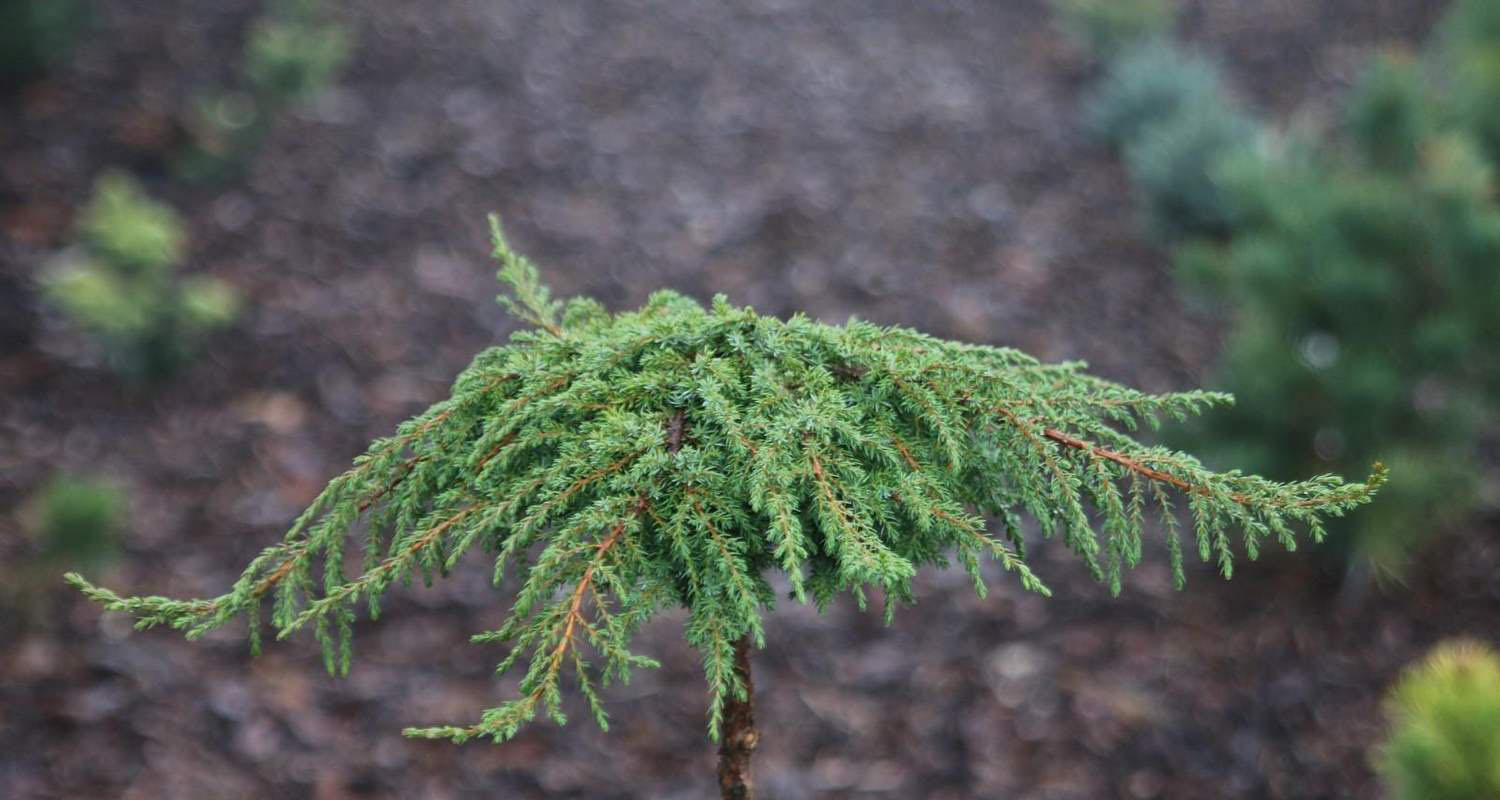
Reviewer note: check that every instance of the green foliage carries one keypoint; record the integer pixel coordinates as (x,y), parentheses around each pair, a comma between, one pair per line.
(1176,165)
(1365,301)
(1150,84)
(1468,57)
(1391,114)
(292,51)
(124,226)
(120,284)
(78,520)
(293,55)
(618,464)
(36,34)
(1445,727)
(1361,277)
(225,127)
(1168,111)
(1108,27)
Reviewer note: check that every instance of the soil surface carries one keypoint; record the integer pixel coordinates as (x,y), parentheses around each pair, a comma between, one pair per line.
(912,163)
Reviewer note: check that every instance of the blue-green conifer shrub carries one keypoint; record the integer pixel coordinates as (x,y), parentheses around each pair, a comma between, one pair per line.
(1176,165)
(1147,85)
(1167,110)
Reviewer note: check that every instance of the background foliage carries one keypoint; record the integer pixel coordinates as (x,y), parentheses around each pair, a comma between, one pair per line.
(1107,27)
(120,283)
(1445,727)
(35,34)
(1357,269)
(291,51)
(917,164)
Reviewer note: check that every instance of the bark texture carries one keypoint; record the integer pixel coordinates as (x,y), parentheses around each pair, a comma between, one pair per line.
(739,736)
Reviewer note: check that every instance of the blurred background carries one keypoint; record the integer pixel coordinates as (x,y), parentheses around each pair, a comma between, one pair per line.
(240,239)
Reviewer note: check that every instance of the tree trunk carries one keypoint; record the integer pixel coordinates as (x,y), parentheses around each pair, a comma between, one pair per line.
(738,738)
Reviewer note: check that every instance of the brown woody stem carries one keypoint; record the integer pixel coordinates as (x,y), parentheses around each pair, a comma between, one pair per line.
(738,737)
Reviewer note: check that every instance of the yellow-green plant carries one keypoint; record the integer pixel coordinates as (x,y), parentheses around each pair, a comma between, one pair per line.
(1444,741)
(129,229)
(120,283)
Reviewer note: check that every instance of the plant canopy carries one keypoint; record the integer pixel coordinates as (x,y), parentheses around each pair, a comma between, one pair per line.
(674,456)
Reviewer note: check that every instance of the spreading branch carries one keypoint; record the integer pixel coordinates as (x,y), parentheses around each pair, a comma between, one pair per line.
(678,454)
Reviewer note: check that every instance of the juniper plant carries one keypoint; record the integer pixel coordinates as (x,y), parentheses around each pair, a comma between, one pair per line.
(676,455)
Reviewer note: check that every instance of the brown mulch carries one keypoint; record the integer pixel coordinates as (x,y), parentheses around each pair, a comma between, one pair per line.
(914,164)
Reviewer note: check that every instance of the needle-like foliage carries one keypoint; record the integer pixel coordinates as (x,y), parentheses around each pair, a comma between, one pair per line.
(673,456)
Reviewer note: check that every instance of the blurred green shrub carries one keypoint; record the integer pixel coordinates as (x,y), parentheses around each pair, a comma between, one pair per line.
(1148,84)
(1391,114)
(225,127)
(78,521)
(1361,274)
(294,54)
(120,283)
(1363,280)
(1175,164)
(1444,742)
(1168,110)
(1468,58)
(1108,27)
(292,51)
(1347,298)
(124,226)
(36,34)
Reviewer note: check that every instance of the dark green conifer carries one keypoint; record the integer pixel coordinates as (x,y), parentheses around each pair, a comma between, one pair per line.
(618,464)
